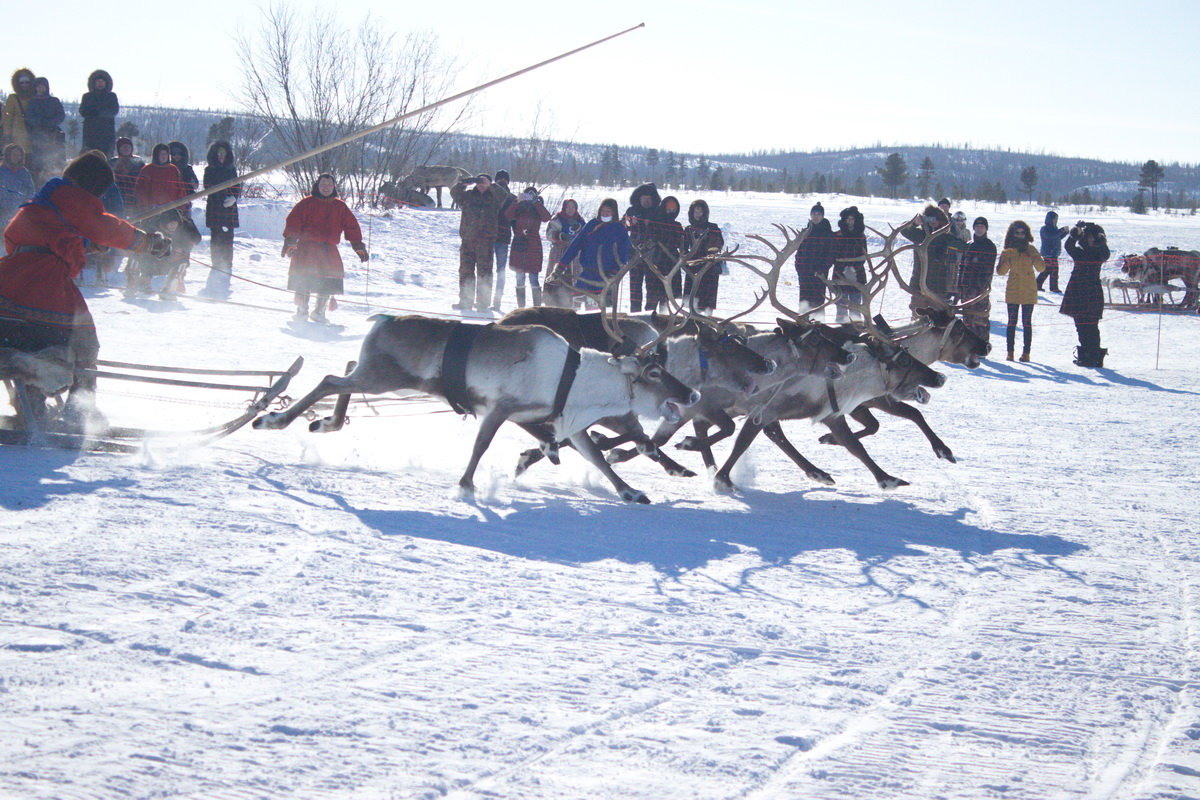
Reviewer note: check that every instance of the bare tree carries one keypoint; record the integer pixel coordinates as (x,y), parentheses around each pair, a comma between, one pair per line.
(311,80)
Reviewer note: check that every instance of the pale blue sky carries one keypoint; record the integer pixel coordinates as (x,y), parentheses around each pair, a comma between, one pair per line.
(1097,78)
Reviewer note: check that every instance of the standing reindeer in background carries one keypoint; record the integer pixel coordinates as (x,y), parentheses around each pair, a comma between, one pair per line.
(434,177)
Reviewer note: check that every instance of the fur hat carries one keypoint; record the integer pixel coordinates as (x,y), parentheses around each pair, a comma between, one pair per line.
(937,214)
(90,171)
(314,192)
(502,174)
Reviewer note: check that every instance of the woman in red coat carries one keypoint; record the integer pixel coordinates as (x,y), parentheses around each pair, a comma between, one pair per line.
(159,181)
(310,236)
(525,254)
(40,306)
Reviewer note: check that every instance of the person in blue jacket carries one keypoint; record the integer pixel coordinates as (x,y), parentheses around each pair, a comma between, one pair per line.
(603,248)
(1052,236)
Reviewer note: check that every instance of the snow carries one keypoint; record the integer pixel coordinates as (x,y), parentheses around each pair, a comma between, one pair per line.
(286,614)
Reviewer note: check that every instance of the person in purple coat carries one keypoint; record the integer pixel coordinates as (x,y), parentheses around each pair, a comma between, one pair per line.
(603,248)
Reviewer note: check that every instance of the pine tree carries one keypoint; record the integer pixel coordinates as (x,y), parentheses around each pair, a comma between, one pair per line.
(894,173)
(717,182)
(702,171)
(1152,173)
(1029,180)
(925,175)
(652,162)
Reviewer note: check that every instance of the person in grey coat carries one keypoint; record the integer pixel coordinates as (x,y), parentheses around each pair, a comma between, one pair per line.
(16,184)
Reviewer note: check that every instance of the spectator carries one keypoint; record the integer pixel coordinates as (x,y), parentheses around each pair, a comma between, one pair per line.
(16,184)
(604,248)
(1020,261)
(944,205)
(310,237)
(1051,236)
(43,116)
(12,126)
(158,182)
(668,238)
(99,108)
(958,228)
(181,157)
(480,204)
(702,239)
(561,231)
(126,167)
(220,216)
(935,265)
(39,302)
(641,219)
(170,266)
(814,257)
(526,217)
(1084,299)
(974,282)
(850,257)
(504,235)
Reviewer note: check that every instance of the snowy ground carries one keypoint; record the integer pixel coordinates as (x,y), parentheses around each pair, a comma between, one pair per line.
(293,615)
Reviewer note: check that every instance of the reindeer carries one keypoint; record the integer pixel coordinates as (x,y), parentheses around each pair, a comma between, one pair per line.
(706,358)
(527,375)
(880,368)
(434,177)
(1159,267)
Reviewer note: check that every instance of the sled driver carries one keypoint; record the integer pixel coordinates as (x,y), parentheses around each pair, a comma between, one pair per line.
(45,246)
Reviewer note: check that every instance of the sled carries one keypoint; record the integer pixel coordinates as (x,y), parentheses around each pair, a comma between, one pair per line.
(28,428)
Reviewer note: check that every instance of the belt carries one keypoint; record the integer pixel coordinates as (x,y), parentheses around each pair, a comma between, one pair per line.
(33,248)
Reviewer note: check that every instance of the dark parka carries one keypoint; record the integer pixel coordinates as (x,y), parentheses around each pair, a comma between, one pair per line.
(940,262)
(216,215)
(99,109)
(480,211)
(702,238)
(526,218)
(814,257)
(1051,235)
(975,272)
(642,222)
(850,245)
(181,157)
(1083,299)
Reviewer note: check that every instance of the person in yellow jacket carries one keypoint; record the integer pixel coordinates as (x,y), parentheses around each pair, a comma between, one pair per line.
(1021,262)
(12,126)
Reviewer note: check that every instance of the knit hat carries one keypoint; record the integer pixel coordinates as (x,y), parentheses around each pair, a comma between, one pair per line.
(945,201)
(500,173)
(90,171)
(817,208)
(980,221)
(124,140)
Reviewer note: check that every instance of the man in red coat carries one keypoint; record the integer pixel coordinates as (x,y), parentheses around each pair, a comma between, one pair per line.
(40,306)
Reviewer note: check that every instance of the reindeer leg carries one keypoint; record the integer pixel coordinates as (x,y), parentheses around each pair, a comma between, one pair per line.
(870,425)
(913,415)
(483,439)
(331,384)
(725,427)
(588,449)
(774,432)
(841,431)
(721,480)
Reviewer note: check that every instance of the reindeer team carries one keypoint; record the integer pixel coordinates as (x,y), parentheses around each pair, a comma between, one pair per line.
(556,373)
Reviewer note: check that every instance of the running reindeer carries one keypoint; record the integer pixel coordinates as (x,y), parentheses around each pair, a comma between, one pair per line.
(528,375)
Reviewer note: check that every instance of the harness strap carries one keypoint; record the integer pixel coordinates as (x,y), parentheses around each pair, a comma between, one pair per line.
(703,356)
(565,381)
(831,393)
(454,366)
(33,248)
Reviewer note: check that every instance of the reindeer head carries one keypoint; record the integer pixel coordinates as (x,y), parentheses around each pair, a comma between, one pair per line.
(960,344)
(904,375)
(655,392)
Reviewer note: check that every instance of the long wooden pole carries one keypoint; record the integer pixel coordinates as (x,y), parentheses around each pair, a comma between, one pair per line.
(374,128)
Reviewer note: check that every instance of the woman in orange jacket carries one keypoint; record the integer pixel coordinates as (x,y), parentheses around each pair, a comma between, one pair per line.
(1021,262)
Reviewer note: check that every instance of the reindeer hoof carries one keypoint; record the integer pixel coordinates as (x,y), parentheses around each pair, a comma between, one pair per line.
(688,443)
(889,483)
(723,485)
(681,472)
(648,449)
(323,425)
(267,422)
(466,492)
(821,476)
(827,438)
(527,460)
(945,454)
(634,496)
(550,451)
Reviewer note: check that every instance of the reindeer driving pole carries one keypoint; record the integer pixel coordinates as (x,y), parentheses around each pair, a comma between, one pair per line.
(374,128)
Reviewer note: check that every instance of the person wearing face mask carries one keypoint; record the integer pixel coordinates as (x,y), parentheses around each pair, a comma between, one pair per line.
(1021,262)
(814,257)
(603,248)
(561,231)
(310,238)
(668,238)
(975,279)
(12,125)
(525,258)
(702,280)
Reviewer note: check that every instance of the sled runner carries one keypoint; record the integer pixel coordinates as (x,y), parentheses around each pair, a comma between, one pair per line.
(28,375)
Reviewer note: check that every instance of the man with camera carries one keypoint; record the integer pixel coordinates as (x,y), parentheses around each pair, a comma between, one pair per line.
(480,200)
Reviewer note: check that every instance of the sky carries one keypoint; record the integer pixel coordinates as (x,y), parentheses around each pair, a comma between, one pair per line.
(1094,79)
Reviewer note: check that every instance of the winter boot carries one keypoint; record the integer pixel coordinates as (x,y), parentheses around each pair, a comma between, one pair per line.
(1010,356)
(1100,354)
(520,297)
(1025,356)
(301,307)
(318,314)
(466,294)
(537,295)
